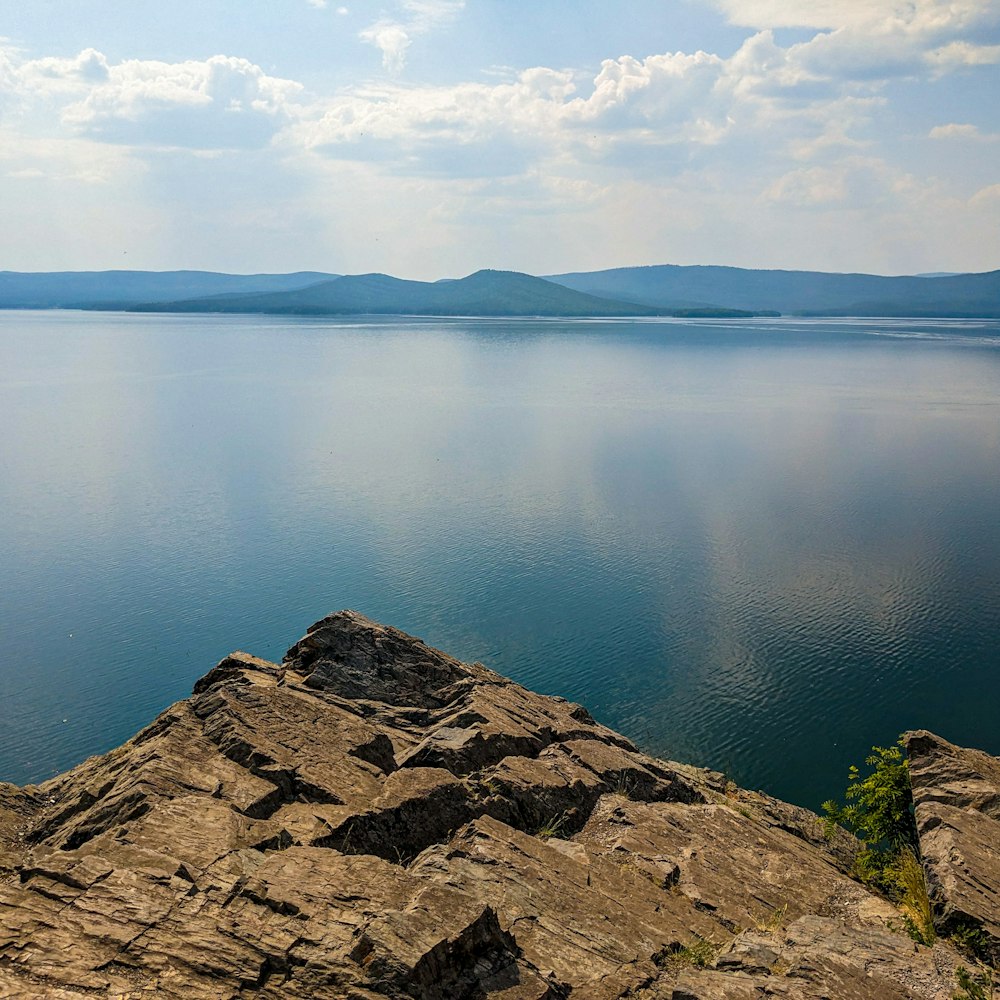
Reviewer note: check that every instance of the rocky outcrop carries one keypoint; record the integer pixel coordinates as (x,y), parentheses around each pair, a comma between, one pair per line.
(372,818)
(956,804)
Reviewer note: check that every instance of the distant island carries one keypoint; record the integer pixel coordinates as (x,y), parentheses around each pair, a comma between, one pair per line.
(661,290)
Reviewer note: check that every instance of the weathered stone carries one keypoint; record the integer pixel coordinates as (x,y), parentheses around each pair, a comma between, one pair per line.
(373,818)
(349,655)
(956,796)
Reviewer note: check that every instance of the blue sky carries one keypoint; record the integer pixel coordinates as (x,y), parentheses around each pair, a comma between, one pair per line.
(429,138)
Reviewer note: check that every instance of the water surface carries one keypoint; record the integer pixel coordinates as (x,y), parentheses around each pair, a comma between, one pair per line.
(755,545)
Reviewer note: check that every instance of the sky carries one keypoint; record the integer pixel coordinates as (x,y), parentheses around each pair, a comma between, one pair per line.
(431,138)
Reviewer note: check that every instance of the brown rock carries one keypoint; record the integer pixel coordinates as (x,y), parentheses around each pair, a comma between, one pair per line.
(373,818)
(956,796)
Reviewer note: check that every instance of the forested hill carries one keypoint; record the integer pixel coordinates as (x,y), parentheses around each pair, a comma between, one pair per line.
(803,292)
(485,293)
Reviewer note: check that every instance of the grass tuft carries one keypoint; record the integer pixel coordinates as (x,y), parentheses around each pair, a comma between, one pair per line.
(551,827)
(907,875)
(701,953)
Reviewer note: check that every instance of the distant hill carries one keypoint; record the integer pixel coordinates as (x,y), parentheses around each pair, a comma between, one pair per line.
(485,293)
(803,292)
(121,289)
(661,290)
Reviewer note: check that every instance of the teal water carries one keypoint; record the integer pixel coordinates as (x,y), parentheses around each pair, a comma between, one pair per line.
(757,545)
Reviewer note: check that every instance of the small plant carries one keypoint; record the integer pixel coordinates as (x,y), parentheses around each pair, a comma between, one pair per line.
(972,940)
(701,952)
(551,827)
(772,921)
(978,986)
(623,786)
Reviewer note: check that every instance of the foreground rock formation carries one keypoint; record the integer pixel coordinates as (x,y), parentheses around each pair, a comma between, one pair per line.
(372,818)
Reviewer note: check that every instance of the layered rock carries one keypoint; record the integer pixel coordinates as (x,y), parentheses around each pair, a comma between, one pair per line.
(956,804)
(373,818)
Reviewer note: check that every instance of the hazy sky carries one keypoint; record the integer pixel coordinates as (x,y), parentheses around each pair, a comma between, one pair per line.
(429,138)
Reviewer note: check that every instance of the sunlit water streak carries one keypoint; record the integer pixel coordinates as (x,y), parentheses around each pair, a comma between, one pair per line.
(761,545)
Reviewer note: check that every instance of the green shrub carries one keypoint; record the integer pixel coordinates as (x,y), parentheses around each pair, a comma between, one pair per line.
(879,812)
(879,807)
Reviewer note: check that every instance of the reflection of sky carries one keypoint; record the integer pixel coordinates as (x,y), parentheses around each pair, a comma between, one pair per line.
(741,545)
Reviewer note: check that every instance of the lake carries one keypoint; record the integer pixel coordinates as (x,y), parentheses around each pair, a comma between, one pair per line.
(757,545)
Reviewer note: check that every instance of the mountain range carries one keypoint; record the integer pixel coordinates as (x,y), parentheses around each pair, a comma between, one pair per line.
(485,293)
(799,292)
(661,290)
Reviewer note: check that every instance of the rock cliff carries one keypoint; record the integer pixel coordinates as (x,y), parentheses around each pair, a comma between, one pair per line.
(372,818)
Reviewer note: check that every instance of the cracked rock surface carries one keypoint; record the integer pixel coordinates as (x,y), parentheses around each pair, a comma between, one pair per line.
(956,804)
(372,818)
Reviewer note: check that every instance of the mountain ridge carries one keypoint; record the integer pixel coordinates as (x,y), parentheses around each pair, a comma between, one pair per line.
(483,293)
(648,290)
(798,292)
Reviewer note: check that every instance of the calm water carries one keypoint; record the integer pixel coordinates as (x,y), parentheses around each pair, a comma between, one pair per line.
(761,546)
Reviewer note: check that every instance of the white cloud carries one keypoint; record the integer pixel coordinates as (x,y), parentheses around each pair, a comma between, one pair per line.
(319,4)
(392,39)
(856,182)
(956,55)
(631,110)
(926,15)
(986,200)
(221,101)
(393,35)
(877,39)
(956,130)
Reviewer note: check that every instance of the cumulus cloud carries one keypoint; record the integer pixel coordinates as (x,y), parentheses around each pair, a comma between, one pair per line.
(957,55)
(221,101)
(528,106)
(804,98)
(870,39)
(685,101)
(833,14)
(393,34)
